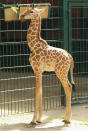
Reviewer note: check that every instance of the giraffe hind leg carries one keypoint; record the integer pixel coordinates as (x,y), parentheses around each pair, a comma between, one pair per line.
(67,88)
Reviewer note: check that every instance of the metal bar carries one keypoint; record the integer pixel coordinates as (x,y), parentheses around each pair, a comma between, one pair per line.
(65,21)
(82,49)
(65,15)
(70,29)
(0,30)
(77,1)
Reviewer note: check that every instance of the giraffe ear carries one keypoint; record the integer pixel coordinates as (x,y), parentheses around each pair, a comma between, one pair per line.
(32,6)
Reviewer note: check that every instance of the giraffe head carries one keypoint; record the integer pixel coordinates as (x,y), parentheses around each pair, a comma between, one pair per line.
(32,13)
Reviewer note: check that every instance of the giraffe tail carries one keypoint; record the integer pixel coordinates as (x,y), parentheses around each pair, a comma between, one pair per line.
(72,67)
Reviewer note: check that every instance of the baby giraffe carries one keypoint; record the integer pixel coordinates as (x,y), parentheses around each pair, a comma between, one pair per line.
(47,58)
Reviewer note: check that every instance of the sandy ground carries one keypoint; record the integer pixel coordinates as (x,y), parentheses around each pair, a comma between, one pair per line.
(52,121)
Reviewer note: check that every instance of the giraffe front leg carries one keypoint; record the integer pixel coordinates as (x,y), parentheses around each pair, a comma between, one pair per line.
(40,107)
(38,99)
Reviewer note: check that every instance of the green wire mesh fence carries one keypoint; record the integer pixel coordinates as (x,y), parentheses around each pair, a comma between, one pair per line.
(17,80)
(80,51)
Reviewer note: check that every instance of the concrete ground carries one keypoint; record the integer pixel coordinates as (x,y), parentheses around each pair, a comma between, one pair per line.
(52,121)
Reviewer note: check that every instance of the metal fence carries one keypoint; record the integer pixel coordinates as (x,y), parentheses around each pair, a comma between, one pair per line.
(17,80)
(77,34)
(66,28)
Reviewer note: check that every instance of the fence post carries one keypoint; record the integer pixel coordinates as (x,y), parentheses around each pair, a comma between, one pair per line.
(0,30)
(0,21)
(65,33)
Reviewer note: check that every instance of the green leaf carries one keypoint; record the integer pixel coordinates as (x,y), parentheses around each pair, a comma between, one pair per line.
(62,117)
(15,9)
(86,123)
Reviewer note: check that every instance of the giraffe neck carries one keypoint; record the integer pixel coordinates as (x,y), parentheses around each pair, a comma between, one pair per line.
(33,34)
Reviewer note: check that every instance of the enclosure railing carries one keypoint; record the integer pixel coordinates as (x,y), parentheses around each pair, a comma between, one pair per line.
(17,80)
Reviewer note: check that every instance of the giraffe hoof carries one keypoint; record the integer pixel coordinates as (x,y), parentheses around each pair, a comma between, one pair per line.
(66,121)
(39,122)
(33,123)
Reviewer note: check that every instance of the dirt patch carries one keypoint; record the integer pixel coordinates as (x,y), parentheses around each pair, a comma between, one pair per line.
(52,120)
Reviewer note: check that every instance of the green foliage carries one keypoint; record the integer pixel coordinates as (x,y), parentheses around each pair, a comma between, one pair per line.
(51,119)
(4,124)
(61,117)
(15,9)
(86,107)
